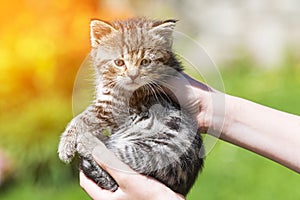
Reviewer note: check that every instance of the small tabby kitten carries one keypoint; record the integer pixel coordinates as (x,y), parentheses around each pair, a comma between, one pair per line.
(132,113)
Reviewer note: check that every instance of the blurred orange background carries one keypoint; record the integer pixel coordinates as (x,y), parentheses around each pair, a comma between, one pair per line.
(42,44)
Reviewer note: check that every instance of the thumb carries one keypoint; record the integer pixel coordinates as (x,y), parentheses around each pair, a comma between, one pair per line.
(183,90)
(109,161)
(103,156)
(118,170)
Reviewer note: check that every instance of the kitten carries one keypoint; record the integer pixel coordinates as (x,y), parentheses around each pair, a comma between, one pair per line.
(132,113)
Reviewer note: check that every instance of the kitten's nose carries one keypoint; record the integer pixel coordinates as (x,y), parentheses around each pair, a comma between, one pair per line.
(132,74)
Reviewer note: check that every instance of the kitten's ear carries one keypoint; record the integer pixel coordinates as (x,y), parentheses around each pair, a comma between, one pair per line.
(98,30)
(164,28)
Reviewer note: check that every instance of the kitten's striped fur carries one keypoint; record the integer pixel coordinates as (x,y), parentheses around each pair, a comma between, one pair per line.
(150,132)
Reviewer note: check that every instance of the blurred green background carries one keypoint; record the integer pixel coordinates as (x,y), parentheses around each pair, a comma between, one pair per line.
(43,44)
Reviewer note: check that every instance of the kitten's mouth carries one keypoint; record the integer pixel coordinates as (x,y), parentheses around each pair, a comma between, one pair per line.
(132,85)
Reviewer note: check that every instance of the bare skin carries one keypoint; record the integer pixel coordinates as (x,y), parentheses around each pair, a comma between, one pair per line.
(265,131)
(132,185)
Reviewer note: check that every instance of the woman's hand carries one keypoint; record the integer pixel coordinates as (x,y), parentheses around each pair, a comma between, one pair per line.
(202,101)
(132,186)
(265,131)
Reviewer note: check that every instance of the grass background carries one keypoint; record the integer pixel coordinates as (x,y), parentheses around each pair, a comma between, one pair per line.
(30,136)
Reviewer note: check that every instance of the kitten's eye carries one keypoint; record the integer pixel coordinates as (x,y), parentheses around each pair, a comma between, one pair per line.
(119,62)
(145,62)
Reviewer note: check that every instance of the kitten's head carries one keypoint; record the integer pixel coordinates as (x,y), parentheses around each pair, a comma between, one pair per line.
(133,53)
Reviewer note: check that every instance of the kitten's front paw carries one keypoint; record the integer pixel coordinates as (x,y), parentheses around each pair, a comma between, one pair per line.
(67,147)
(94,172)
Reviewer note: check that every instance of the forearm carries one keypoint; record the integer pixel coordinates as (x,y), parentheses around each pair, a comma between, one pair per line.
(265,131)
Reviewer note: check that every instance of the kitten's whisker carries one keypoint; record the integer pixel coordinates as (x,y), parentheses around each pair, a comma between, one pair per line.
(152,84)
(165,84)
(147,89)
(162,92)
(117,108)
(153,91)
(169,75)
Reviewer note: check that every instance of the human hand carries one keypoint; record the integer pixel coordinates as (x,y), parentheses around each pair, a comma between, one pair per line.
(199,99)
(132,186)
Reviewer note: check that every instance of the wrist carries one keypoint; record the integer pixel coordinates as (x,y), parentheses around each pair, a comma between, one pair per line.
(233,107)
(212,113)
(234,114)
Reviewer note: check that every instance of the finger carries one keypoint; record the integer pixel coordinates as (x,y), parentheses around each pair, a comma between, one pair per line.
(92,189)
(184,93)
(88,142)
(193,82)
(110,163)
(105,158)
